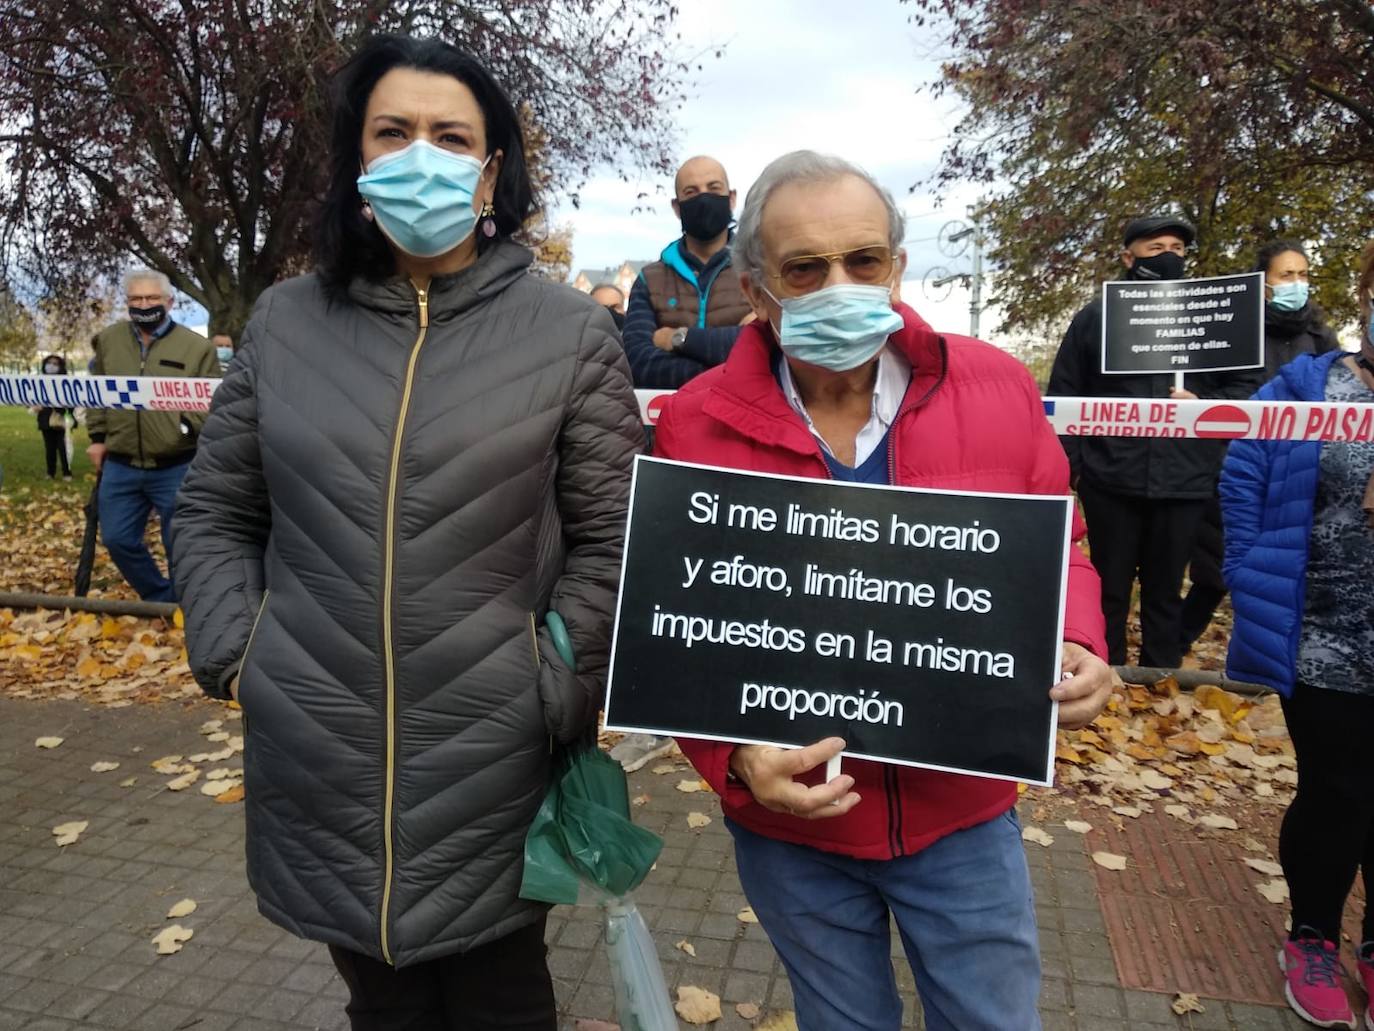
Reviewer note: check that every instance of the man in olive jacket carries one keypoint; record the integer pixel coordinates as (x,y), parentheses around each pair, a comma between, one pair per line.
(142,456)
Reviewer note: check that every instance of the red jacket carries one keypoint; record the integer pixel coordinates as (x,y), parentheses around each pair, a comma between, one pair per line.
(972,419)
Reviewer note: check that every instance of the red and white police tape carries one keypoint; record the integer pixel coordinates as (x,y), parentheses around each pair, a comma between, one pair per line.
(1070,416)
(1147,417)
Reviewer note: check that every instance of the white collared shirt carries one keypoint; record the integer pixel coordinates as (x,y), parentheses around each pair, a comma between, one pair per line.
(894,376)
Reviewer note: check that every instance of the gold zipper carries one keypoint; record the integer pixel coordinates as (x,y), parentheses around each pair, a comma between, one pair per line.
(243,662)
(538,661)
(534,642)
(389,657)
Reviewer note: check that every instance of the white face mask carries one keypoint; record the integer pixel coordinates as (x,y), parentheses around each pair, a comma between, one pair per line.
(52,369)
(422,197)
(837,327)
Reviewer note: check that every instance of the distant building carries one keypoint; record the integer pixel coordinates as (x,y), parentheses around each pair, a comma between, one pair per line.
(622,276)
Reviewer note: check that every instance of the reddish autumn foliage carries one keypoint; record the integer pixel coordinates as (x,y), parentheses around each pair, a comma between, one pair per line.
(190,134)
(1255,117)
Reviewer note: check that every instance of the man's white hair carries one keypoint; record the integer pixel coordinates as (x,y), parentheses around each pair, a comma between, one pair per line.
(801,166)
(144,275)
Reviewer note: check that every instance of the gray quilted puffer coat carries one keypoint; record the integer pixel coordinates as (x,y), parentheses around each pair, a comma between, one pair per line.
(376,522)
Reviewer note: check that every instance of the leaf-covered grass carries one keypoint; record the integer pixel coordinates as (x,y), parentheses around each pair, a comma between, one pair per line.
(21,454)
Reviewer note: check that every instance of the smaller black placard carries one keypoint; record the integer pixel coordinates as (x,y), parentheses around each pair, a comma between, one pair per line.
(1183,325)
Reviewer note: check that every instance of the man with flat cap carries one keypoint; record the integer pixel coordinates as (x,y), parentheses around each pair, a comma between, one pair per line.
(686,308)
(1143,497)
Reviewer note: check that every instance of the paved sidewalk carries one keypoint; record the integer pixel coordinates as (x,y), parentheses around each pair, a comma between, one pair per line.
(76,922)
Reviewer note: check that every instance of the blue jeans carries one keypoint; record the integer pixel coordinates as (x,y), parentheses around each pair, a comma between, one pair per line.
(964,910)
(127,495)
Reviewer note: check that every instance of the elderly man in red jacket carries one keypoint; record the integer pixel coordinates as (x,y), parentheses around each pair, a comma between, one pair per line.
(837,378)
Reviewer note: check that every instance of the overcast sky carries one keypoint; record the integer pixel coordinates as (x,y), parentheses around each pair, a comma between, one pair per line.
(844,78)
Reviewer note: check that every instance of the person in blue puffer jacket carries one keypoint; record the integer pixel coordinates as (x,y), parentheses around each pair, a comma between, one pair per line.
(1299,565)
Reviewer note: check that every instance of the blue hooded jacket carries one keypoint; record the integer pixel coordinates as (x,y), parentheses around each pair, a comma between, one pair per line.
(1267,491)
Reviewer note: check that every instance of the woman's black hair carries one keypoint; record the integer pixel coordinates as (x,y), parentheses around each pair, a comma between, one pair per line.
(1265,256)
(54,358)
(348,245)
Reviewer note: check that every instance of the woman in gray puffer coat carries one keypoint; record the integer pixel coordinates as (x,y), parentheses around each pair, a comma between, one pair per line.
(419,451)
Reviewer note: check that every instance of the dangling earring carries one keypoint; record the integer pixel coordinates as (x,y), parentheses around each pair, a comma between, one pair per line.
(367,211)
(488,220)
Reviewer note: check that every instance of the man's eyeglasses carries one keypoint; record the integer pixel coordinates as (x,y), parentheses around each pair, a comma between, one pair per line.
(807,272)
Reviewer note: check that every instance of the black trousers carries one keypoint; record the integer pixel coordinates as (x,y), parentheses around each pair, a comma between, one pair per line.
(55,447)
(503,984)
(1328,831)
(1204,570)
(1148,539)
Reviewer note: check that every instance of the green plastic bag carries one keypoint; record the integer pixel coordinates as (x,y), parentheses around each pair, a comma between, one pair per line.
(583,836)
(583,830)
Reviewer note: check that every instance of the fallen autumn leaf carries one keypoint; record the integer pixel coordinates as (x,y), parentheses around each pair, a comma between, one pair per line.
(170,939)
(184,781)
(1186,1002)
(697,1005)
(67,833)
(1218,822)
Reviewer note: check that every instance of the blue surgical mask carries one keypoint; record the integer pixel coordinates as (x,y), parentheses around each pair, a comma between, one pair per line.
(422,196)
(224,354)
(1289,296)
(838,327)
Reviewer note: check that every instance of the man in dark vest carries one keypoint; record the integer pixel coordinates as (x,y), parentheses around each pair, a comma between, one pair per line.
(686,308)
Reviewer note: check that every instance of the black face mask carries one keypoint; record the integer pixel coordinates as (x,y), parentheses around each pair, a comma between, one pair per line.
(148,317)
(618,317)
(1165,265)
(705,216)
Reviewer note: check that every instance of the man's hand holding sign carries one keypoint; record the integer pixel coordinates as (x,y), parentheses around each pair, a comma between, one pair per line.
(770,772)
(1084,691)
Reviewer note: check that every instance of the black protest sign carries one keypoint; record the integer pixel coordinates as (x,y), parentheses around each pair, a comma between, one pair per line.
(1183,325)
(922,627)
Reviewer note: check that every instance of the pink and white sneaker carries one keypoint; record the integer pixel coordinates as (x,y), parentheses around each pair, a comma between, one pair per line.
(1366,967)
(1312,969)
